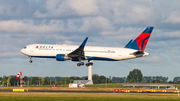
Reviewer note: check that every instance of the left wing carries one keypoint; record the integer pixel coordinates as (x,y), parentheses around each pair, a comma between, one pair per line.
(78,54)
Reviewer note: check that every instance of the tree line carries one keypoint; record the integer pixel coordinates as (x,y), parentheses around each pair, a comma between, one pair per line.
(37,81)
(134,76)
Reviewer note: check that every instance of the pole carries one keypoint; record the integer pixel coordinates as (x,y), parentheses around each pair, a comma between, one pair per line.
(106,78)
(65,80)
(50,80)
(90,71)
(55,80)
(20,80)
(28,77)
(39,81)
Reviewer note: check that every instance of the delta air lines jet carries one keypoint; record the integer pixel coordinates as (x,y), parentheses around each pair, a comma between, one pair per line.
(134,49)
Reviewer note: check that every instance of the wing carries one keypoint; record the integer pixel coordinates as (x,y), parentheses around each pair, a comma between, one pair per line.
(78,54)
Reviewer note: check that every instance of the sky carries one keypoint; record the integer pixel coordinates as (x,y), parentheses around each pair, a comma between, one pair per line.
(107,23)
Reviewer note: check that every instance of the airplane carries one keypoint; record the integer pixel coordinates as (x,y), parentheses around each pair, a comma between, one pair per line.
(134,49)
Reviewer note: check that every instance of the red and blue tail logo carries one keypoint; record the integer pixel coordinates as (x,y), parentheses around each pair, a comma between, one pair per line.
(141,41)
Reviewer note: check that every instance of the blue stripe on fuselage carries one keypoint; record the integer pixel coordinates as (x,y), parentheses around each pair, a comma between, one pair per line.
(100,58)
(44,56)
(88,57)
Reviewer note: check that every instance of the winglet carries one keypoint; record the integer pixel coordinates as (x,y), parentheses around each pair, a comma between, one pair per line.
(84,42)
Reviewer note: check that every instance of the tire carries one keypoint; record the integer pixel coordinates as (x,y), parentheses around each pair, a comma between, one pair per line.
(79,64)
(30,61)
(82,63)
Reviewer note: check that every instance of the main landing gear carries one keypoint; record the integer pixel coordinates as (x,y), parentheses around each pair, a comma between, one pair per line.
(87,64)
(30,61)
(81,63)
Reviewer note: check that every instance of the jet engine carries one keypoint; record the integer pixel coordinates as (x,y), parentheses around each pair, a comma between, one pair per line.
(62,57)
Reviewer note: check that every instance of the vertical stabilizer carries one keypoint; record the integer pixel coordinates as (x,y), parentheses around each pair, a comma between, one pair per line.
(141,41)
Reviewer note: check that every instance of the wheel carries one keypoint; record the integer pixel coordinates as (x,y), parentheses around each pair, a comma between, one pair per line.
(91,63)
(30,61)
(79,64)
(87,64)
(82,63)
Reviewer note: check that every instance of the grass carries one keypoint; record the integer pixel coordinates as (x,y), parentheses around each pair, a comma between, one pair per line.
(29,96)
(177,85)
(104,85)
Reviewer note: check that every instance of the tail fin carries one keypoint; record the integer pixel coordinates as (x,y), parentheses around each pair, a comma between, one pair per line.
(140,42)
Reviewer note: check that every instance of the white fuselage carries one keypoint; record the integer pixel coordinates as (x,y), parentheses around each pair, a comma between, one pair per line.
(96,53)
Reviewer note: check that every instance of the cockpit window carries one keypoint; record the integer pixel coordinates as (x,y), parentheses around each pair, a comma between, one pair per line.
(24,47)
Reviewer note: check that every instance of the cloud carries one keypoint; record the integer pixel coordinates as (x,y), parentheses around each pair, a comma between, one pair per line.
(84,7)
(135,12)
(154,59)
(92,24)
(6,61)
(10,54)
(57,8)
(164,35)
(173,18)
(175,34)
(6,9)
(10,10)
(28,26)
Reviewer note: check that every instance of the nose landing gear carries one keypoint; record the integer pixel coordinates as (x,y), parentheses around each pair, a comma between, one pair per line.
(30,61)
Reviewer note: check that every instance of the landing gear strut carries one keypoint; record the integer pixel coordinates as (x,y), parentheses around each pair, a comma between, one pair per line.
(30,61)
(89,63)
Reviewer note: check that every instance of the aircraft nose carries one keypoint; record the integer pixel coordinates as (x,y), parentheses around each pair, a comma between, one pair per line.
(23,50)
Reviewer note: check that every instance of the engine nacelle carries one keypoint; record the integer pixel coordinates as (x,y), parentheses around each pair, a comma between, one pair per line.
(61,57)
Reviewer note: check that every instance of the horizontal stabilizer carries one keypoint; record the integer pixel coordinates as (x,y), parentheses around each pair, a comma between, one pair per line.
(138,53)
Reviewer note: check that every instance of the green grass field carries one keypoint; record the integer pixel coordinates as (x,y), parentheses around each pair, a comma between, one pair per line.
(177,86)
(104,85)
(29,96)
